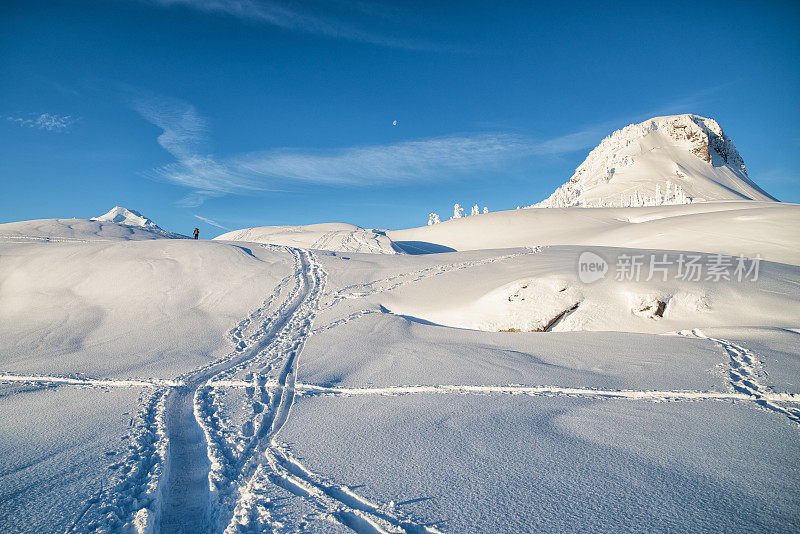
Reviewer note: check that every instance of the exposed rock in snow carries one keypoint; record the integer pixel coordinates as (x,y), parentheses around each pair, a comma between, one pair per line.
(628,167)
(121,215)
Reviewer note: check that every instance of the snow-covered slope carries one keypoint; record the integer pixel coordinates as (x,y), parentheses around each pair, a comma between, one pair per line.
(79,230)
(147,307)
(122,215)
(332,394)
(745,227)
(542,291)
(338,237)
(666,160)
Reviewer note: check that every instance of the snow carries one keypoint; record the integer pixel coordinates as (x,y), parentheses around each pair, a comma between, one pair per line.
(123,309)
(499,464)
(689,151)
(118,224)
(121,215)
(410,353)
(734,228)
(527,292)
(58,448)
(339,237)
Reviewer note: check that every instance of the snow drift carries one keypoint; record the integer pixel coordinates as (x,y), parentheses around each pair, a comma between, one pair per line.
(746,227)
(155,308)
(338,237)
(542,292)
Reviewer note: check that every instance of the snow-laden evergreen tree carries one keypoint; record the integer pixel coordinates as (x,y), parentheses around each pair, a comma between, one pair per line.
(485,210)
(433,219)
(458,211)
(475,210)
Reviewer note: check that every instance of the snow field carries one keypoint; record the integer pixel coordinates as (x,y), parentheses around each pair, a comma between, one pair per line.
(123,309)
(725,227)
(513,464)
(66,450)
(322,391)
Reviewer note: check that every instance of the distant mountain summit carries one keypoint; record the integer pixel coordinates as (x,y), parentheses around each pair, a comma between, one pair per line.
(121,215)
(676,159)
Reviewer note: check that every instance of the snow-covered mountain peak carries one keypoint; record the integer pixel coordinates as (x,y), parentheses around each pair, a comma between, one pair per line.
(664,160)
(121,215)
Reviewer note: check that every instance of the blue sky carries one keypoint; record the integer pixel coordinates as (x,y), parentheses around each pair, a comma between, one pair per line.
(249,113)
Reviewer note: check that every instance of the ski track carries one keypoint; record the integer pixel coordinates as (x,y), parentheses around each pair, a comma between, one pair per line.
(196,443)
(49,239)
(187,470)
(393,282)
(302,390)
(135,490)
(344,320)
(263,459)
(745,373)
(91,382)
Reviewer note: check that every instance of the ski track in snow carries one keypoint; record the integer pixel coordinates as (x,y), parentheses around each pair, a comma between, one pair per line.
(344,320)
(263,459)
(192,505)
(393,282)
(91,382)
(50,239)
(135,490)
(516,389)
(745,374)
(187,470)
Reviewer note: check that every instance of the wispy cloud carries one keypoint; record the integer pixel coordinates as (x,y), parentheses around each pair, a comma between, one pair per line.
(411,161)
(211,222)
(51,122)
(291,17)
(184,130)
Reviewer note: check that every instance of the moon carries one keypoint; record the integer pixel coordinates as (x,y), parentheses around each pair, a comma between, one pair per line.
(394,123)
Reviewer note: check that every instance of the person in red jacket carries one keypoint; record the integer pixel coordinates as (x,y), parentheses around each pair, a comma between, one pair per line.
(196,232)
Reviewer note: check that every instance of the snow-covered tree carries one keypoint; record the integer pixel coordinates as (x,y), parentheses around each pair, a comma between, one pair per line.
(485,210)
(433,219)
(458,211)
(475,210)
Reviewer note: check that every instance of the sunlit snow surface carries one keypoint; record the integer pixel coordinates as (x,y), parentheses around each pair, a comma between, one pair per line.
(336,390)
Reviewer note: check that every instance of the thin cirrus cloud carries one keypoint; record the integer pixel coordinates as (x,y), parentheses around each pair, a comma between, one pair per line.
(289,17)
(212,222)
(52,122)
(184,130)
